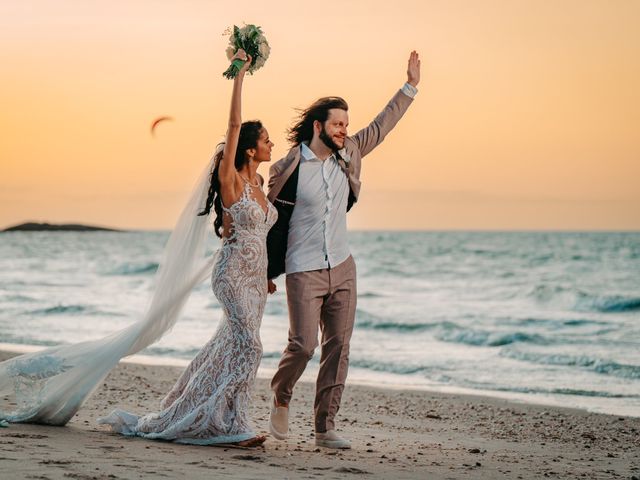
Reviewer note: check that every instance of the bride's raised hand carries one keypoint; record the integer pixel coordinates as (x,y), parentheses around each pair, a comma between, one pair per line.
(244,56)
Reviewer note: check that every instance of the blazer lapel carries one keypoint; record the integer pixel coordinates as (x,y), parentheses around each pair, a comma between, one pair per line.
(289,164)
(344,160)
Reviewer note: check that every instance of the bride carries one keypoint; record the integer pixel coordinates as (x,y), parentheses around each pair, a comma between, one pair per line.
(209,404)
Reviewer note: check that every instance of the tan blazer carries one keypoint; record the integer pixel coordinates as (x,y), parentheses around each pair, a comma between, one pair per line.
(356,147)
(282,192)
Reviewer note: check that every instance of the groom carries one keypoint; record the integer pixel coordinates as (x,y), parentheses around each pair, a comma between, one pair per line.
(313,187)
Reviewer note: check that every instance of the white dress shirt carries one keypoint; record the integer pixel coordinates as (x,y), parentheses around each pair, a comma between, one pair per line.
(409,90)
(318,225)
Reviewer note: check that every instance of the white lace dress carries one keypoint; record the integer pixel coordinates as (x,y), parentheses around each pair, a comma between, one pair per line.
(210,402)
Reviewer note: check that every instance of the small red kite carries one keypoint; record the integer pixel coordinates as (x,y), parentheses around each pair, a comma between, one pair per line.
(156,122)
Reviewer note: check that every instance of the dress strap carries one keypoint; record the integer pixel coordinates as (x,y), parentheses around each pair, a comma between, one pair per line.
(246,192)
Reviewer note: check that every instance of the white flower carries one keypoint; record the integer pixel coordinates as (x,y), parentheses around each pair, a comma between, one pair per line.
(259,63)
(231,51)
(264,49)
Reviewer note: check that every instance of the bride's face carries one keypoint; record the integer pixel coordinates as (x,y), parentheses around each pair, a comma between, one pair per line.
(263,149)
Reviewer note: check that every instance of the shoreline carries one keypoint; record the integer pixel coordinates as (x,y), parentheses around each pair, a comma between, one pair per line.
(395,434)
(266,373)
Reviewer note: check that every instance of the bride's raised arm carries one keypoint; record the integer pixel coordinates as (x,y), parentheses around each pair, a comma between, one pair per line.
(229,190)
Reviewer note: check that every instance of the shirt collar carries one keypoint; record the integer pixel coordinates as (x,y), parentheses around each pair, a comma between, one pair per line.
(307,154)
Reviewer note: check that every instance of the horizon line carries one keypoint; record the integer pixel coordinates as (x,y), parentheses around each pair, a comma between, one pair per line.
(355,230)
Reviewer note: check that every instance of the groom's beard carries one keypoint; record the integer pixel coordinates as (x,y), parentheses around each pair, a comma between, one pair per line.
(328,141)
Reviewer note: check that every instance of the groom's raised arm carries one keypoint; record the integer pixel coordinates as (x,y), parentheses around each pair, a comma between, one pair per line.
(373,134)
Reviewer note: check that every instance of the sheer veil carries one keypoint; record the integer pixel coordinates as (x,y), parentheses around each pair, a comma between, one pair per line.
(51,385)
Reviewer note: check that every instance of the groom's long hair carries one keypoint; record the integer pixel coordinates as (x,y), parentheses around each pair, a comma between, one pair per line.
(249,136)
(302,130)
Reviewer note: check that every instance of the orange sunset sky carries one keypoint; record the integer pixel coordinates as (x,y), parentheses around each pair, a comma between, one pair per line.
(527,117)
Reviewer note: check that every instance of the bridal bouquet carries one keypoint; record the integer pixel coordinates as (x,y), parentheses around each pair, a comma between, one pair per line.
(251,40)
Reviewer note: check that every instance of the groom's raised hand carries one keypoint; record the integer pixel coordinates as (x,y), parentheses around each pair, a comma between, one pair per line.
(413,69)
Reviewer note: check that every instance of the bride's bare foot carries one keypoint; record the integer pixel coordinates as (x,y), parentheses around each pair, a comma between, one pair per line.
(252,442)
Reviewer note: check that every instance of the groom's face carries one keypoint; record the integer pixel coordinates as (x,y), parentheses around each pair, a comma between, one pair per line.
(334,130)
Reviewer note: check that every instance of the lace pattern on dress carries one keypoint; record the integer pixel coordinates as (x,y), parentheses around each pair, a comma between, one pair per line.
(210,401)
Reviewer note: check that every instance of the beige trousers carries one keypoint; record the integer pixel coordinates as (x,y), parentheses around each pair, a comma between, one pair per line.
(325,299)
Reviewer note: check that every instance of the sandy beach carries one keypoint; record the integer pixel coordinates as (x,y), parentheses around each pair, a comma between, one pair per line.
(395,434)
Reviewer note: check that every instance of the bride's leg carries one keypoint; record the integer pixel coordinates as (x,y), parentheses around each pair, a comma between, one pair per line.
(219,291)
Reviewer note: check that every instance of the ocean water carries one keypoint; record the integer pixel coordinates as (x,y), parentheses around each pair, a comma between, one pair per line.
(535,317)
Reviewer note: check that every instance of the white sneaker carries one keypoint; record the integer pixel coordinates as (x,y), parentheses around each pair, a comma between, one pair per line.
(330,439)
(278,421)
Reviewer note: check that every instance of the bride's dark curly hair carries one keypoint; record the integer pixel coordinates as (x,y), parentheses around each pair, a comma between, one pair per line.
(249,135)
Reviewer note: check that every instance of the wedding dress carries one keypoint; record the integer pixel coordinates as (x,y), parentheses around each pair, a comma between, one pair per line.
(50,386)
(210,401)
